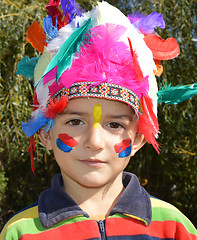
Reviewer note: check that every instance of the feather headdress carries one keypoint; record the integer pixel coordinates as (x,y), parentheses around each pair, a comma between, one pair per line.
(100,53)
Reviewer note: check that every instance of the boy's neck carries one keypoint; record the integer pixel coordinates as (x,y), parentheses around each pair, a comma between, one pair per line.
(96,202)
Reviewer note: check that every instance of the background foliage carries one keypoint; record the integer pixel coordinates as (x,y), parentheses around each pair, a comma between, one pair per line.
(171,176)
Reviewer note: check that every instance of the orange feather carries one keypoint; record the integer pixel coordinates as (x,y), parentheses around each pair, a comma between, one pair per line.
(36,36)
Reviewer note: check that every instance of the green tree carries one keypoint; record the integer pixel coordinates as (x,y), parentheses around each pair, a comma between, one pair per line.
(172,175)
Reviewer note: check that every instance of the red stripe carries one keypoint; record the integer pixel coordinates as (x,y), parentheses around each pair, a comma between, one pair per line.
(162,230)
(80,231)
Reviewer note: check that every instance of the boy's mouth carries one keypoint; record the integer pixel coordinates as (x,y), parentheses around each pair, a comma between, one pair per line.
(93,162)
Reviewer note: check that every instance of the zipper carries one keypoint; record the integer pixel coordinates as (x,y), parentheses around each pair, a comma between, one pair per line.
(102,229)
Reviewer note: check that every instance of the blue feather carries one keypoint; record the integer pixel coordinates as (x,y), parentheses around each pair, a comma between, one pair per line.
(50,30)
(26,66)
(31,127)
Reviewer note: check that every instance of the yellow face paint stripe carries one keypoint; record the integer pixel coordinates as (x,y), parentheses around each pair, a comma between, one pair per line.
(97,113)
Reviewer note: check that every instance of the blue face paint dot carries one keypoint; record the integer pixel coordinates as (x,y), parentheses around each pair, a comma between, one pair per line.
(125,153)
(62,146)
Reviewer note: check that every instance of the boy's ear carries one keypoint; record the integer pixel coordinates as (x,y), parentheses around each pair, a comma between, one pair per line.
(45,138)
(138,142)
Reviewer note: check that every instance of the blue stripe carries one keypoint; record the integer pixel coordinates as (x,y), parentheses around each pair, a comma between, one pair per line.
(138,237)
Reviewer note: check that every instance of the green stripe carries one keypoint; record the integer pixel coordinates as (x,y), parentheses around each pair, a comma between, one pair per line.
(165,214)
(34,226)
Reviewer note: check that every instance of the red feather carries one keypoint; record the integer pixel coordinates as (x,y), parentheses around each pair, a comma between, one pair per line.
(55,106)
(36,103)
(148,123)
(36,36)
(135,62)
(53,11)
(162,49)
(32,150)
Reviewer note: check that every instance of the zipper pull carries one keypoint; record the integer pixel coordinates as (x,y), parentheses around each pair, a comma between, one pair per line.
(102,229)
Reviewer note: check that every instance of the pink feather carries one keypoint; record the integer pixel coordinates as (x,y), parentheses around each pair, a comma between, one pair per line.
(103,58)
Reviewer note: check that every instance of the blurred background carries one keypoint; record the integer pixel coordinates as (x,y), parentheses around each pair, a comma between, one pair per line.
(171,176)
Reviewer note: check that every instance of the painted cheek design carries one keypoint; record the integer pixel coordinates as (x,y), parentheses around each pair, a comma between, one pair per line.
(97,113)
(65,142)
(123,148)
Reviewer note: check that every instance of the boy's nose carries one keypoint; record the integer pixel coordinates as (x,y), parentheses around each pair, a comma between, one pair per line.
(94,138)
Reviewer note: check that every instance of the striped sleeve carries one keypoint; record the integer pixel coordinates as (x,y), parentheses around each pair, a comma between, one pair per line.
(178,226)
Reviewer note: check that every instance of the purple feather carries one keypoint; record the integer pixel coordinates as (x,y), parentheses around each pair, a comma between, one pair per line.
(69,7)
(147,24)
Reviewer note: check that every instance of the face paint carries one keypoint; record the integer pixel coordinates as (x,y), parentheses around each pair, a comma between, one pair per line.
(97,113)
(123,148)
(65,142)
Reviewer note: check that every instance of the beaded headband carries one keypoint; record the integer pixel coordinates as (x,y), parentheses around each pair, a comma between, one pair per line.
(103,90)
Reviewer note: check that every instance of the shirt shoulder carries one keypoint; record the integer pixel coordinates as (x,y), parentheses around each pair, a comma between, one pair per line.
(166,213)
(18,224)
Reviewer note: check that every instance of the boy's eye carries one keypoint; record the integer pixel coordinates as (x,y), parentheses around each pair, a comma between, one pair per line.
(115,125)
(75,122)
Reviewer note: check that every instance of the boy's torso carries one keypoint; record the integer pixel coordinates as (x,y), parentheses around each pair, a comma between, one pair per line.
(57,216)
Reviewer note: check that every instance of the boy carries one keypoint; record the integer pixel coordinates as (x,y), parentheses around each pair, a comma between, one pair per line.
(95,107)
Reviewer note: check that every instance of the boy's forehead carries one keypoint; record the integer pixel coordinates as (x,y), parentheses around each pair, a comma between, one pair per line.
(109,107)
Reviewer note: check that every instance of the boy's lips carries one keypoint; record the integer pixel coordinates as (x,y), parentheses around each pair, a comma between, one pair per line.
(93,162)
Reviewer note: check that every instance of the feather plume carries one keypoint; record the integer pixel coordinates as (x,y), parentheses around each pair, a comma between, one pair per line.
(148,123)
(55,106)
(70,7)
(26,66)
(177,94)
(55,87)
(36,36)
(36,103)
(147,24)
(106,59)
(50,30)
(54,12)
(31,127)
(159,67)
(135,62)
(42,64)
(162,49)
(32,151)
(63,59)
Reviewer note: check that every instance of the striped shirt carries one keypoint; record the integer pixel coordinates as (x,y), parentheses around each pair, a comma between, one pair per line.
(136,216)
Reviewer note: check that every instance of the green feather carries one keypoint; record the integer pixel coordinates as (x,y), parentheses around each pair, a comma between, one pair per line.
(26,66)
(63,59)
(177,94)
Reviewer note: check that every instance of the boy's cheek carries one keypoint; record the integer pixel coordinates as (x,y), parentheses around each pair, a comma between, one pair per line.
(123,148)
(65,142)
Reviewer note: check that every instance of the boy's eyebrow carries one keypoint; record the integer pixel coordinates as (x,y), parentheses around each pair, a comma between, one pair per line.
(111,116)
(122,116)
(67,111)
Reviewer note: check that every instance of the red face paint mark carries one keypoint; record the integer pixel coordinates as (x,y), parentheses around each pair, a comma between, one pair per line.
(119,147)
(68,140)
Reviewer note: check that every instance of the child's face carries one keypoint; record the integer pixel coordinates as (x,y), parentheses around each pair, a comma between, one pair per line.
(93,140)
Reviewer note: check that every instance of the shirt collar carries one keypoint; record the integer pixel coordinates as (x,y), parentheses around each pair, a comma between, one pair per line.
(55,205)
